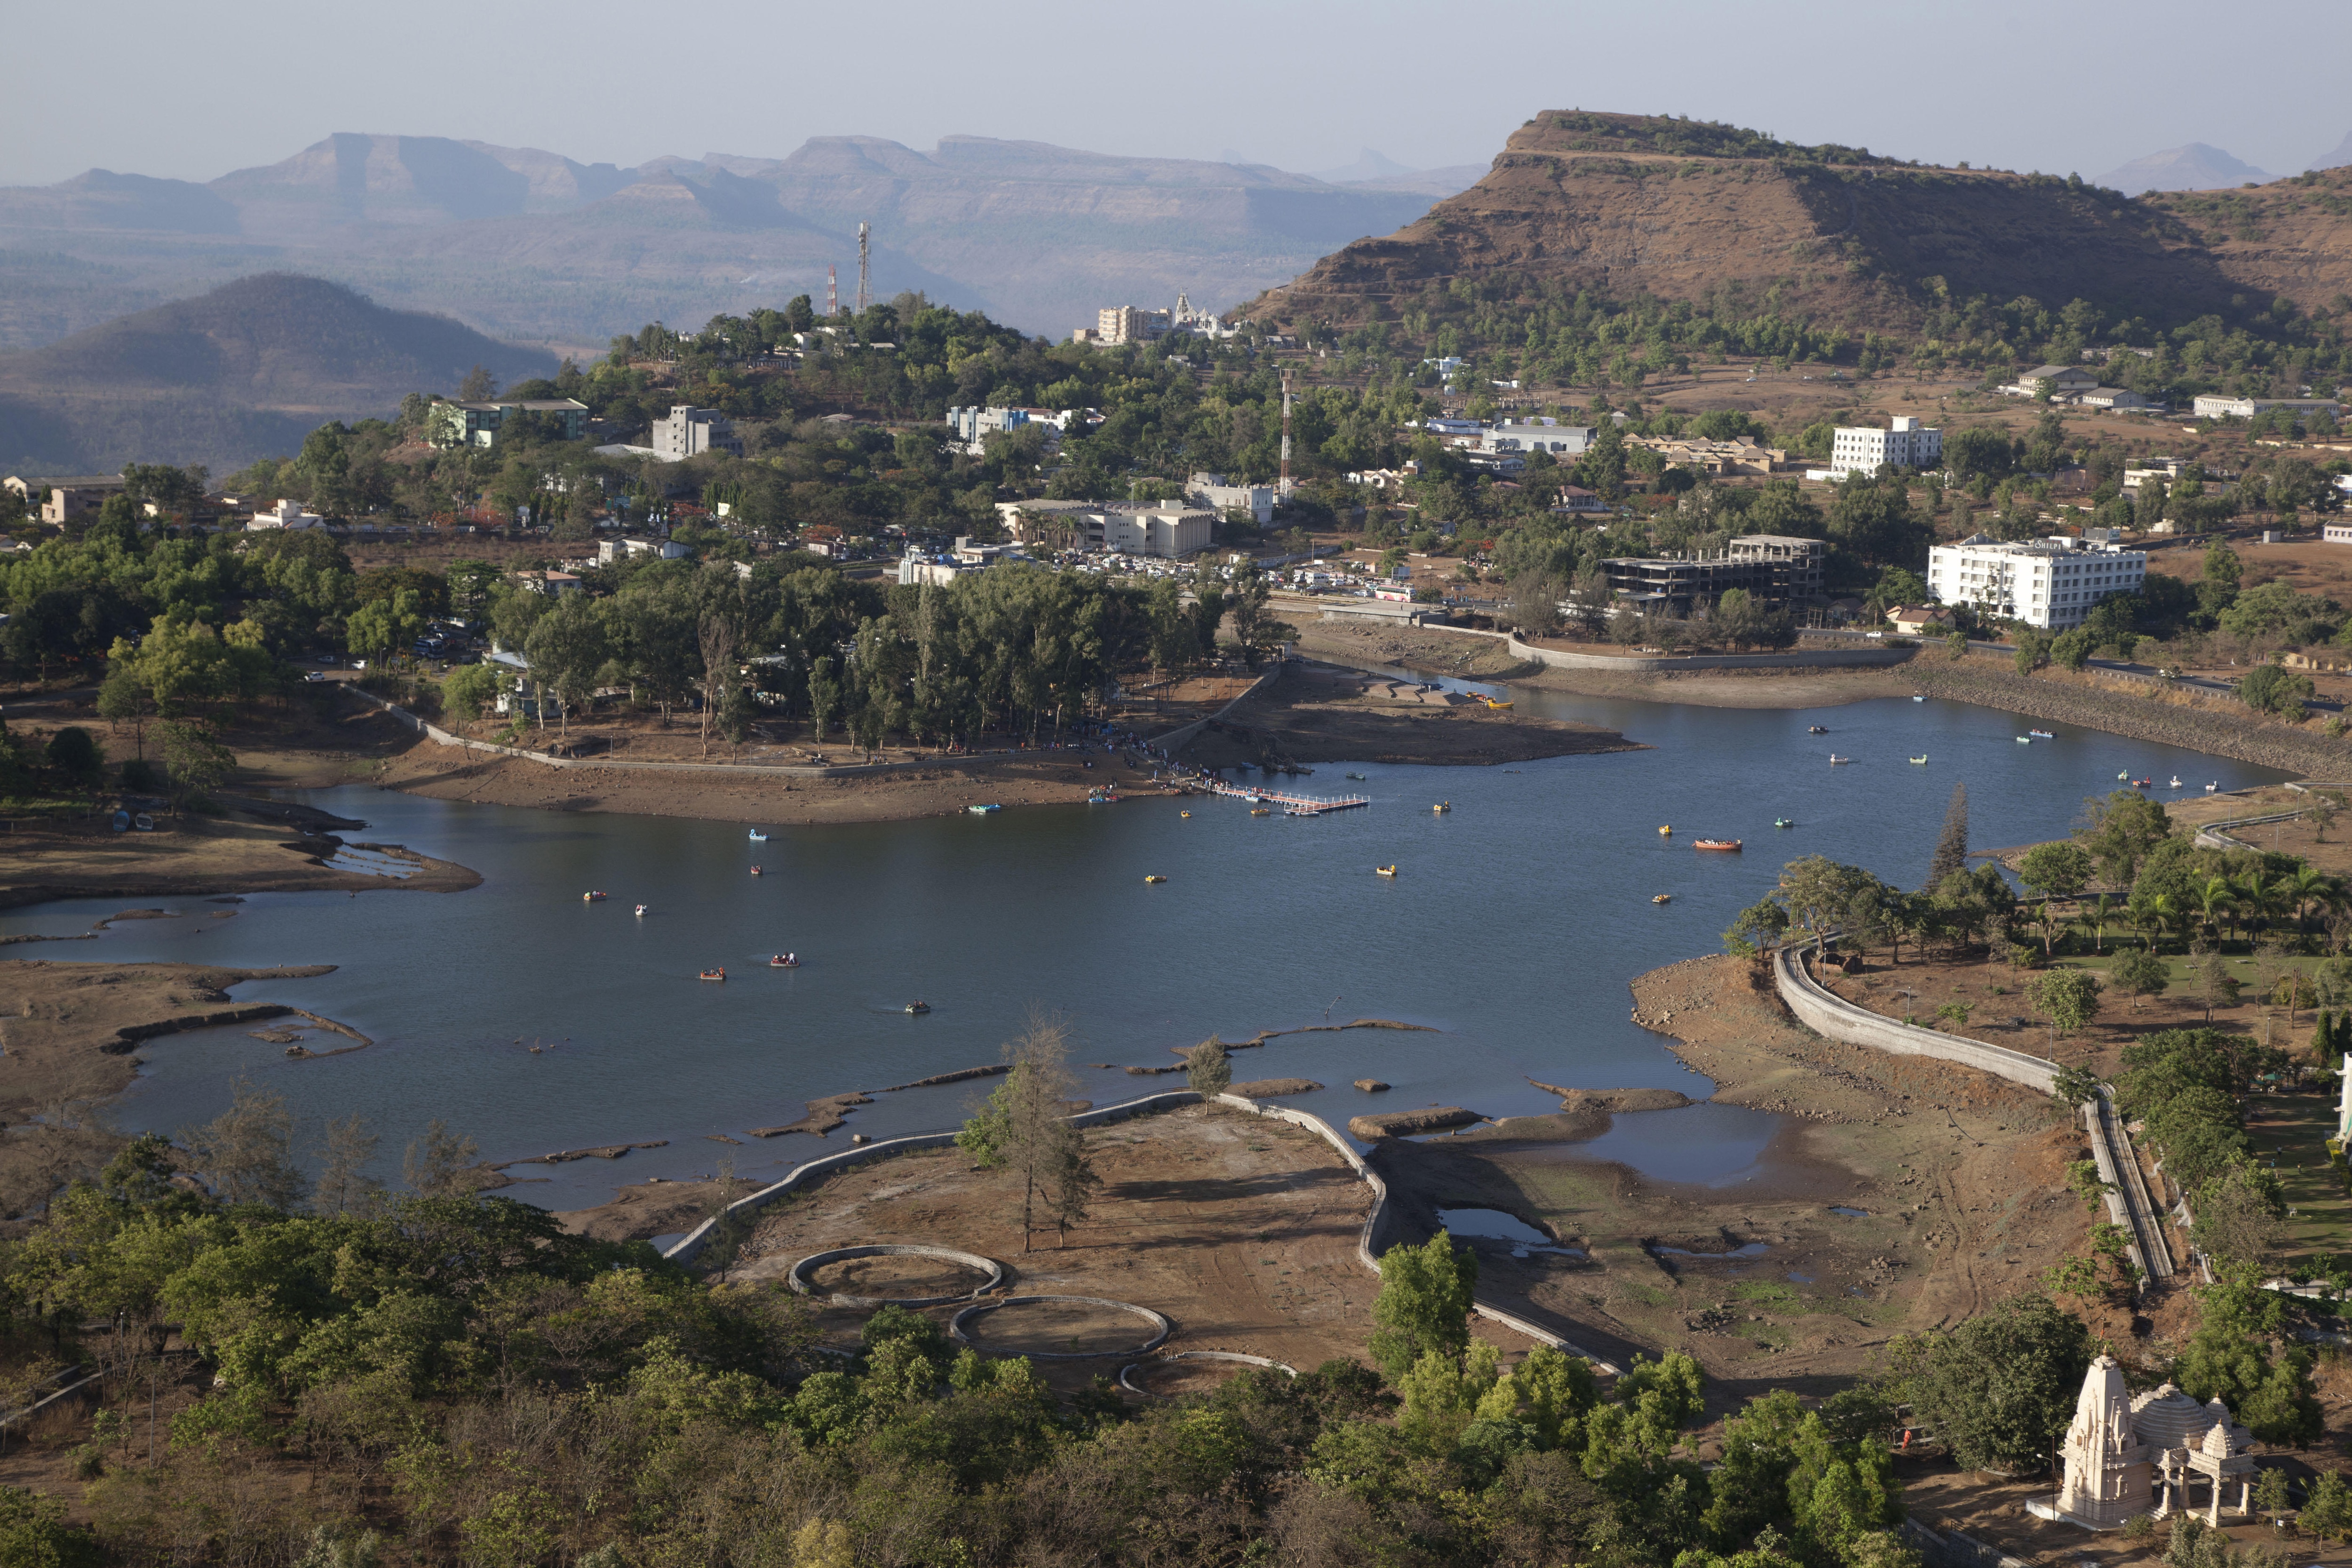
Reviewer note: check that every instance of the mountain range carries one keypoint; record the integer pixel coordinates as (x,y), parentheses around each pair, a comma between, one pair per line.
(533,245)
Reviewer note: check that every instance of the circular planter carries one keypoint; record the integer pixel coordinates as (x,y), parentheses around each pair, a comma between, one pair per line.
(1127,1382)
(797,1277)
(1161,1326)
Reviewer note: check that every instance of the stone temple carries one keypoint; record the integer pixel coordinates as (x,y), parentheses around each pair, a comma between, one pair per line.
(2127,1455)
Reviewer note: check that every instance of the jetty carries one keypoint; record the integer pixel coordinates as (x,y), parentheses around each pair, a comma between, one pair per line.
(1292,804)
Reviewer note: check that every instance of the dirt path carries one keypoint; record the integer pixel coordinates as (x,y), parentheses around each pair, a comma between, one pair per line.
(1241,1229)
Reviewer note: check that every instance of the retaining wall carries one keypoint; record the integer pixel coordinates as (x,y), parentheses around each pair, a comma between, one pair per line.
(1812,658)
(1824,1013)
(1377,1236)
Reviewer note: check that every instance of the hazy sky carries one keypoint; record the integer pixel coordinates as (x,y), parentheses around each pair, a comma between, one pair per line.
(190,90)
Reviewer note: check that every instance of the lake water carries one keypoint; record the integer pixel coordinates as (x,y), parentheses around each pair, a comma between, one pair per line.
(1513,928)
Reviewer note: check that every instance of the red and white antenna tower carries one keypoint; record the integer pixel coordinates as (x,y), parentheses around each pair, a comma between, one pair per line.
(832,292)
(1286,434)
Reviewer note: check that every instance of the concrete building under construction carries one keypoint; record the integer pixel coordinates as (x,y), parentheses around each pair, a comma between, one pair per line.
(1773,570)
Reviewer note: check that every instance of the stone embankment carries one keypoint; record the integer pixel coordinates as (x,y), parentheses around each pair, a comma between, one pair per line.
(2217,724)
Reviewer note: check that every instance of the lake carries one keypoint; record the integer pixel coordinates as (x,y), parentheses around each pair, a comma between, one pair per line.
(1513,927)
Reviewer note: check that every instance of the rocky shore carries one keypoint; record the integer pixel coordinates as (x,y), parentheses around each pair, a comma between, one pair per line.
(2214,724)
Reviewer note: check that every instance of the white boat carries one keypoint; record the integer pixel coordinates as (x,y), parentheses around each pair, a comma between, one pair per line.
(1836,760)
(2176,780)
(641,911)
(758,836)
(1915,697)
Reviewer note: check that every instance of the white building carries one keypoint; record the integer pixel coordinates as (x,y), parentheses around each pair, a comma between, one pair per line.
(285,514)
(1537,436)
(973,425)
(611,550)
(2047,583)
(1167,529)
(2217,407)
(2060,381)
(1213,492)
(689,432)
(1865,449)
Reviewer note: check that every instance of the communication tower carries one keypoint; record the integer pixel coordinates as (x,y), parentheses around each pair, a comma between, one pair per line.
(864,296)
(832,292)
(1285,433)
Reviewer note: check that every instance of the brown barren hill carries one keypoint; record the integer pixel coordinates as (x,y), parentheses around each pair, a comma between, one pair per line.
(1624,204)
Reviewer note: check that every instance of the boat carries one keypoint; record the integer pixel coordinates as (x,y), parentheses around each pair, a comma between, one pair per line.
(1838,761)
(1358,777)
(1662,898)
(1816,730)
(1729,845)
(758,836)
(1442,807)
(983,810)
(1784,822)
(713,975)
(2211,787)
(1492,703)
(918,1007)
(1920,760)
(2126,777)
(785,960)
(144,823)
(1155,878)
(2041,734)
(757,871)
(2176,780)
(591,898)
(1918,699)
(1384,870)
(1184,814)
(1261,811)
(1666,831)
(2025,740)
(2142,783)
(641,911)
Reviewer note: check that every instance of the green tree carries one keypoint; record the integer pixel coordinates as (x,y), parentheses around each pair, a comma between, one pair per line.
(2267,689)
(2055,871)
(1207,1067)
(441,1163)
(2001,1387)
(1424,1305)
(198,762)
(2140,974)
(245,1153)
(1952,843)
(2068,998)
(76,754)
(469,692)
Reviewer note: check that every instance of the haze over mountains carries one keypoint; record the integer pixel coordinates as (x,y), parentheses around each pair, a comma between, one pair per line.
(247,369)
(531,245)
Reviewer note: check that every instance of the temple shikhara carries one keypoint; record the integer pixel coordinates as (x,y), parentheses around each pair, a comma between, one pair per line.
(2127,1457)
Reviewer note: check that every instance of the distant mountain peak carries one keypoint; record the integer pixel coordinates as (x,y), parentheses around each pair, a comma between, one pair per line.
(2196,166)
(1368,165)
(2337,159)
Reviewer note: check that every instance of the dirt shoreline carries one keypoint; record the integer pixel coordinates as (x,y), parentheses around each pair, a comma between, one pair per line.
(1897,1193)
(1330,713)
(192,857)
(1468,655)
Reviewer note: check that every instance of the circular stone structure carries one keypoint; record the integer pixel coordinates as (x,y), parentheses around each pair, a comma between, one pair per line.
(798,1277)
(1161,1326)
(1125,1379)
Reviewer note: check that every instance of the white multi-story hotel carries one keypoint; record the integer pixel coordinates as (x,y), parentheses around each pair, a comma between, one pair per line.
(1865,449)
(2046,583)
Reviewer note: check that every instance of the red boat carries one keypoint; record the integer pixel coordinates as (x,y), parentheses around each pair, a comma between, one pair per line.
(1728,845)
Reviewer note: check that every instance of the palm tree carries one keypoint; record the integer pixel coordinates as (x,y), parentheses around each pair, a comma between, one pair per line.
(2310,886)
(2257,899)
(2100,911)
(2212,897)
(2153,916)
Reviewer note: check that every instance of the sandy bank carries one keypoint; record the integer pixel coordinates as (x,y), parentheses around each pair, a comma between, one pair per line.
(192,857)
(1321,713)
(1034,778)
(1436,651)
